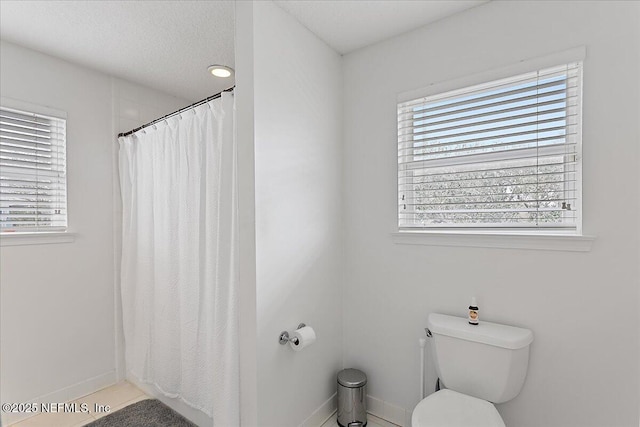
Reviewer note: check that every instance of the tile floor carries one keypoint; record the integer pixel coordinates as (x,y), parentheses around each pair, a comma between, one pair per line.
(117,397)
(124,394)
(372,421)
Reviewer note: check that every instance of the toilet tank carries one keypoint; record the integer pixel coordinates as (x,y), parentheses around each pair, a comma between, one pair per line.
(488,361)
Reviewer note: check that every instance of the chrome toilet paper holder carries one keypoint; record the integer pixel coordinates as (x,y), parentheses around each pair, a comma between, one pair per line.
(284,336)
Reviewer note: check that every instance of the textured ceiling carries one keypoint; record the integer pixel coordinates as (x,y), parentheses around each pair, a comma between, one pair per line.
(351,24)
(166,45)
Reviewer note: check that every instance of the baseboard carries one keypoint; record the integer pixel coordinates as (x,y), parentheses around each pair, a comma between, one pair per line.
(389,412)
(323,413)
(65,394)
(385,411)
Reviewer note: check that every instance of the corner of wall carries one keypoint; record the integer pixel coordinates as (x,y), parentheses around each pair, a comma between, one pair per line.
(244,41)
(117,208)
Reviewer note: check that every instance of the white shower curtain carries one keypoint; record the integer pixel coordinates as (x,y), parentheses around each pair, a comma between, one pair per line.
(179,258)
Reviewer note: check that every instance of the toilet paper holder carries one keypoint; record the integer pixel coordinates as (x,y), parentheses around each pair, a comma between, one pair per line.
(284,336)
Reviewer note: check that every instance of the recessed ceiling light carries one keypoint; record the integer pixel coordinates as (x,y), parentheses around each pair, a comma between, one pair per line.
(220,71)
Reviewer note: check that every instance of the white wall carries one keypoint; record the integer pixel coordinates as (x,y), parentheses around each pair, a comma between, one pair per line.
(57,299)
(582,307)
(59,335)
(297,107)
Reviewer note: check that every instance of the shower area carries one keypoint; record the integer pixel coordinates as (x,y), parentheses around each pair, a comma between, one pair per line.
(179,263)
(230,234)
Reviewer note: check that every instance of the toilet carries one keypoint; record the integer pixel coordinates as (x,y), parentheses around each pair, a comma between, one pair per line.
(477,366)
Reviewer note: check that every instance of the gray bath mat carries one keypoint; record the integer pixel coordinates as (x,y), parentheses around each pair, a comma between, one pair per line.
(146,413)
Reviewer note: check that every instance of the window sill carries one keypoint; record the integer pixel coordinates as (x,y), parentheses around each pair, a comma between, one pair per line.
(36,238)
(549,242)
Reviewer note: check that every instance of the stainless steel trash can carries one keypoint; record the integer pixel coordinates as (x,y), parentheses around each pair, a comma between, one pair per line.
(352,395)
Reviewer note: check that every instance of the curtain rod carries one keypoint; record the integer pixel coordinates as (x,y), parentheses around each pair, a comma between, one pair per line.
(195,104)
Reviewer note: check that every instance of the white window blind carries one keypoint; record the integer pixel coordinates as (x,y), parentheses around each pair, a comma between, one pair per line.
(33,190)
(504,154)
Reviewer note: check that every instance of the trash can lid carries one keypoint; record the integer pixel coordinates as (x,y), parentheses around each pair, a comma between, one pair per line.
(351,378)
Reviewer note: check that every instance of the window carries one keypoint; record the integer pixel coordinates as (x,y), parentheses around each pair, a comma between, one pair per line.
(33,188)
(496,156)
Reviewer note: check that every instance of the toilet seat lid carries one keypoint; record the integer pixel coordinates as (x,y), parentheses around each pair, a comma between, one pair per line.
(448,408)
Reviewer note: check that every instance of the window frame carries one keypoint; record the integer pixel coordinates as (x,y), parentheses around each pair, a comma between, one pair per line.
(42,236)
(525,238)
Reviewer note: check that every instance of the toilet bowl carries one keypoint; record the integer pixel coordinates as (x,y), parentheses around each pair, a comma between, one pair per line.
(477,365)
(448,408)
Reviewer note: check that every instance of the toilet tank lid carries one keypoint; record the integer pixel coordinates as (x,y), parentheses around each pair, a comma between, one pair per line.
(494,334)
